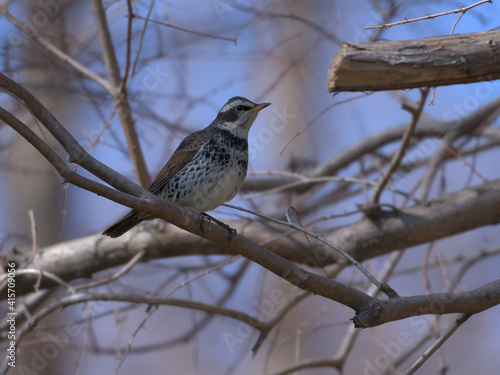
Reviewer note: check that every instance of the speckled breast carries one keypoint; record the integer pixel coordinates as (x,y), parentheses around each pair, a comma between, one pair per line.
(214,176)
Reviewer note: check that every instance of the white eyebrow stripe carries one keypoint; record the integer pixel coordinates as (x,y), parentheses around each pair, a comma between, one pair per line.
(227,107)
(233,104)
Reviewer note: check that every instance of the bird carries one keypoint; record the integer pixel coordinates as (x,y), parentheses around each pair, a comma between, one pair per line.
(206,170)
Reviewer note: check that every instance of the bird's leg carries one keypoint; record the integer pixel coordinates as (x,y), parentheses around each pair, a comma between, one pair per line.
(200,217)
(202,223)
(231,231)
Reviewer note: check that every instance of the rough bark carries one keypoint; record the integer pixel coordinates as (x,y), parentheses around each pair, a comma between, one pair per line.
(406,64)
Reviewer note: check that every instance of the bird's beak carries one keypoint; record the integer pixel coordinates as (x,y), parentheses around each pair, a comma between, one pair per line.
(260,106)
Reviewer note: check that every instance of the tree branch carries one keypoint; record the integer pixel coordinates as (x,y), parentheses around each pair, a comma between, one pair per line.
(60,303)
(398,156)
(120,96)
(180,217)
(414,63)
(460,10)
(427,128)
(471,208)
(56,52)
(461,319)
(398,308)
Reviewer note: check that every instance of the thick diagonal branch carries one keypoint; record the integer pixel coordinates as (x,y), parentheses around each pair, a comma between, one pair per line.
(449,215)
(143,200)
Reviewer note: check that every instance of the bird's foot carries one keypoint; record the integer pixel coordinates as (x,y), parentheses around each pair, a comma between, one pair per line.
(231,231)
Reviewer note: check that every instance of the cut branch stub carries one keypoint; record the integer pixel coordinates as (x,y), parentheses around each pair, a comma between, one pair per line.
(415,63)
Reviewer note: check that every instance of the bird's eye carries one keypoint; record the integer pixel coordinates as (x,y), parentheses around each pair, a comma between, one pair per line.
(239,108)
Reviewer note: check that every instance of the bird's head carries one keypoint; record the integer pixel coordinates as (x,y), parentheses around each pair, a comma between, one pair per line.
(238,115)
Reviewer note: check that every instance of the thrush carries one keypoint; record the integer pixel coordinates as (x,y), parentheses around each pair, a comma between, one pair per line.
(207,169)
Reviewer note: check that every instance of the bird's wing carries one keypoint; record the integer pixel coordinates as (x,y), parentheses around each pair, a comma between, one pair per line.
(183,155)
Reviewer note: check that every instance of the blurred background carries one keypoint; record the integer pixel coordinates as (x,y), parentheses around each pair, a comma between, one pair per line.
(184,68)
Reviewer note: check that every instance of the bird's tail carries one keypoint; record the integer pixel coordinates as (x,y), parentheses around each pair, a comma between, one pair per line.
(126,223)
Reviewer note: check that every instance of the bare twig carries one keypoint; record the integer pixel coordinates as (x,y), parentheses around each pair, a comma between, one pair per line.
(386,289)
(203,274)
(33,233)
(462,10)
(305,181)
(408,353)
(398,156)
(464,126)
(272,15)
(126,73)
(152,309)
(124,270)
(190,31)
(141,38)
(83,338)
(427,128)
(461,319)
(53,50)
(460,157)
(107,297)
(352,334)
(169,342)
(318,117)
(457,20)
(119,95)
